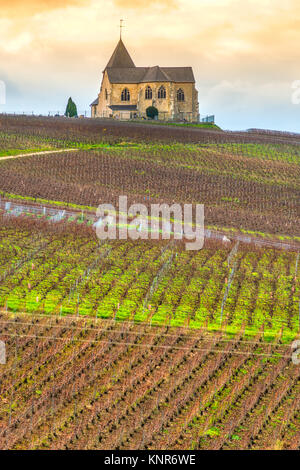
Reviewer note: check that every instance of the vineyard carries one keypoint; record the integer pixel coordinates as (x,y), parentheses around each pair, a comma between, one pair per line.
(253,193)
(160,282)
(93,131)
(87,384)
(123,344)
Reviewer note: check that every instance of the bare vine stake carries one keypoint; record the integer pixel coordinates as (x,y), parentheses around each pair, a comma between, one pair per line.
(157,279)
(233,253)
(227,289)
(94,377)
(14,366)
(34,388)
(297,262)
(52,408)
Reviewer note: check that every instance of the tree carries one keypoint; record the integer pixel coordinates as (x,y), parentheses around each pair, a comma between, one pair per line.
(71,110)
(151,112)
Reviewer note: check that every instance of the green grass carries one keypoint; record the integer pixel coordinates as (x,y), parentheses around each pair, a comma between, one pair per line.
(200,125)
(277,152)
(13,152)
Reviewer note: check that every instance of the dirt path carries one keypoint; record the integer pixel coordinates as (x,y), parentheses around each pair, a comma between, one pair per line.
(45,152)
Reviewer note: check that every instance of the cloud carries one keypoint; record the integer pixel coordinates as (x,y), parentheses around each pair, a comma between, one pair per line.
(140,4)
(29,7)
(17,8)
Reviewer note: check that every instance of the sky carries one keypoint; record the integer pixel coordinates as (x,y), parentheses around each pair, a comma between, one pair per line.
(245,54)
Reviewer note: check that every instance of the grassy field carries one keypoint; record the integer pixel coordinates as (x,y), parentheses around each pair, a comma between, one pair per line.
(15,144)
(200,125)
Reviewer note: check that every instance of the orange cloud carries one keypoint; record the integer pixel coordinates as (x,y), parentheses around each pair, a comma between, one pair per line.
(29,7)
(139,4)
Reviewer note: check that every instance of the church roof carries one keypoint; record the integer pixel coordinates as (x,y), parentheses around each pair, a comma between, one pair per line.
(179,74)
(120,57)
(151,74)
(95,102)
(126,75)
(121,69)
(155,74)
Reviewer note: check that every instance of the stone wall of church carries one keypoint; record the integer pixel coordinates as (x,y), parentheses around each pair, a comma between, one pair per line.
(196,115)
(169,107)
(164,105)
(185,109)
(117,89)
(102,110)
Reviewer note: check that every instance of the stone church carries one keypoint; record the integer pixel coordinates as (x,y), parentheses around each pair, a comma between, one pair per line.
(127,91)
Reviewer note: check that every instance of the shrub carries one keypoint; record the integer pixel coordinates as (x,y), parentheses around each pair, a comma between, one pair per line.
(151,112)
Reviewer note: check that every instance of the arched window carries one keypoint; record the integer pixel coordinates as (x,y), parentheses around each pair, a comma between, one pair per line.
(148,93)
(125,95)
(161,92)
(106,94)
(180,95)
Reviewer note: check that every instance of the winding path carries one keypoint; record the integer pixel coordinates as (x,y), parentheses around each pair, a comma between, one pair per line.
(45,152)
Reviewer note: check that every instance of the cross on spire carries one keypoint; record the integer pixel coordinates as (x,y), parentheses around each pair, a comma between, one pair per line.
(121,27)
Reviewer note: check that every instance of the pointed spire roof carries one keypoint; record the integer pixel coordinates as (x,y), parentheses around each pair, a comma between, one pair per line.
(120,57)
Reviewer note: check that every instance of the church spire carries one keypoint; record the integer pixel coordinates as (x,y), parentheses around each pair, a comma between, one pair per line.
(121,26)
(120,57)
